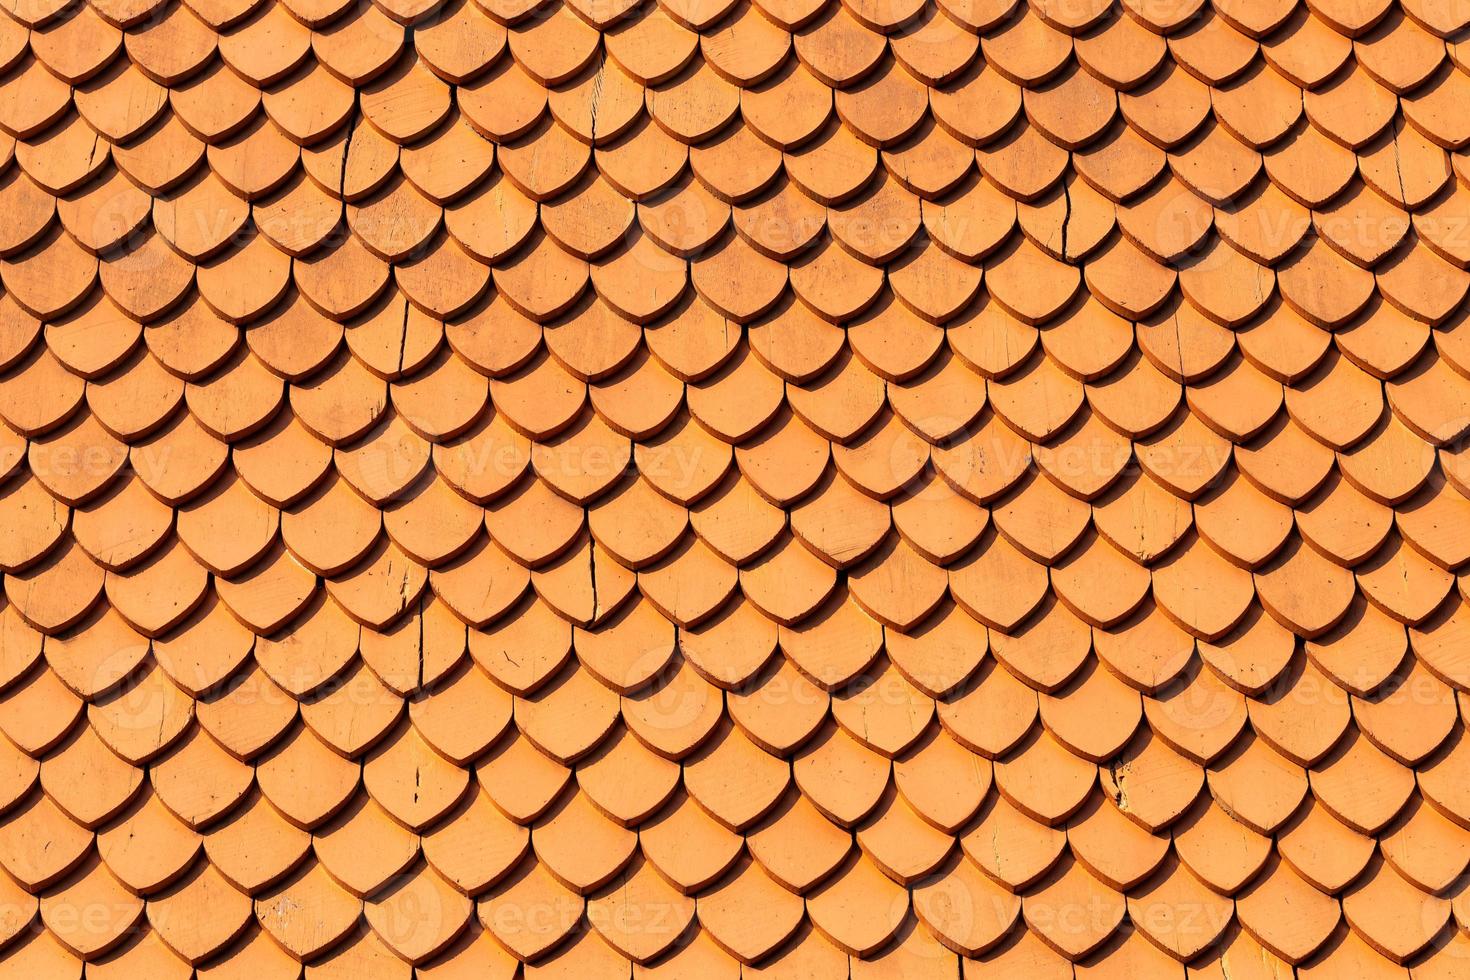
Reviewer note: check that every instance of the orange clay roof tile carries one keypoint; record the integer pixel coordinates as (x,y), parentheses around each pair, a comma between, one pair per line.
(981,490)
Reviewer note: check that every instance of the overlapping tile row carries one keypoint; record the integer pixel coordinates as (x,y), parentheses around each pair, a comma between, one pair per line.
(779,489)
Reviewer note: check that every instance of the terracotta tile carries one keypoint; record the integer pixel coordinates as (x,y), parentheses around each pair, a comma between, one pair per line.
(1339,783)
(308,914)
(902,845)
(1280,784)
(172,47)
(583,849)
(38,536)
(1047,650)
(1430,582)
(626,781)
(736,519)
(587,584)
(1112,847)
(255,955)
(1218,168)
(855,392)
(725,912)
(1024,165)
(1101,714)
(283,778)
(35,210)
(849,368)
(353,713)
(1424,824)
(148,848)
(1367,908)
(1295,937)
(1293,351)
(1323,849)
(546,163)
(247,714)
(396,916)
(530,887)
(200,915)
(779,707)
(474,953)
(1367,648)
(1012,848)
(233,851)
(1197,714)
(1072,887)
(1025,952)
(699,955)
(798,845)
(1180,914)
(1242,523)
(1100,584)
(675,715)
(40,846)
(42,954)
(437,784)
(312,108)
(687,847)
(363,829)
(543,782)
(52,159)
(1262,463)
(87,780)
(1304,590)
(267,596)
(631,647)
(624,915)
(1135,784)
(1281,715)
(77,47)
(991,713)
(33,100)
(141,720)
(58,592)
(1147,651)
(149,954)
(539,640)
(834,644)
(40,711)
(852,923)
(264,142)
(1423,285)
(1043,779)
(788,583)
(93,887)
(737,802)
(1039,400)
(363,953)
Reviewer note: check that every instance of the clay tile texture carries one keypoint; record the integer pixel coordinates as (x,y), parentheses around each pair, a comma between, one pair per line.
(791,489)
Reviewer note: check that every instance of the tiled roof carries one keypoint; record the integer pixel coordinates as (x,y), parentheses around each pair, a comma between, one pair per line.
(784,489)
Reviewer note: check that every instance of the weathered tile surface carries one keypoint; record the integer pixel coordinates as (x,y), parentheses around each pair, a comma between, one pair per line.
(708,488)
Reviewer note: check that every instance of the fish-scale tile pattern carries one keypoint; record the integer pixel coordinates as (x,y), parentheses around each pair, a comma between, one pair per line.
(770,488)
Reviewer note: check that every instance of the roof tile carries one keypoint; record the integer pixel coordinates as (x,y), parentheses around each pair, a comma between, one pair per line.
(862,412)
